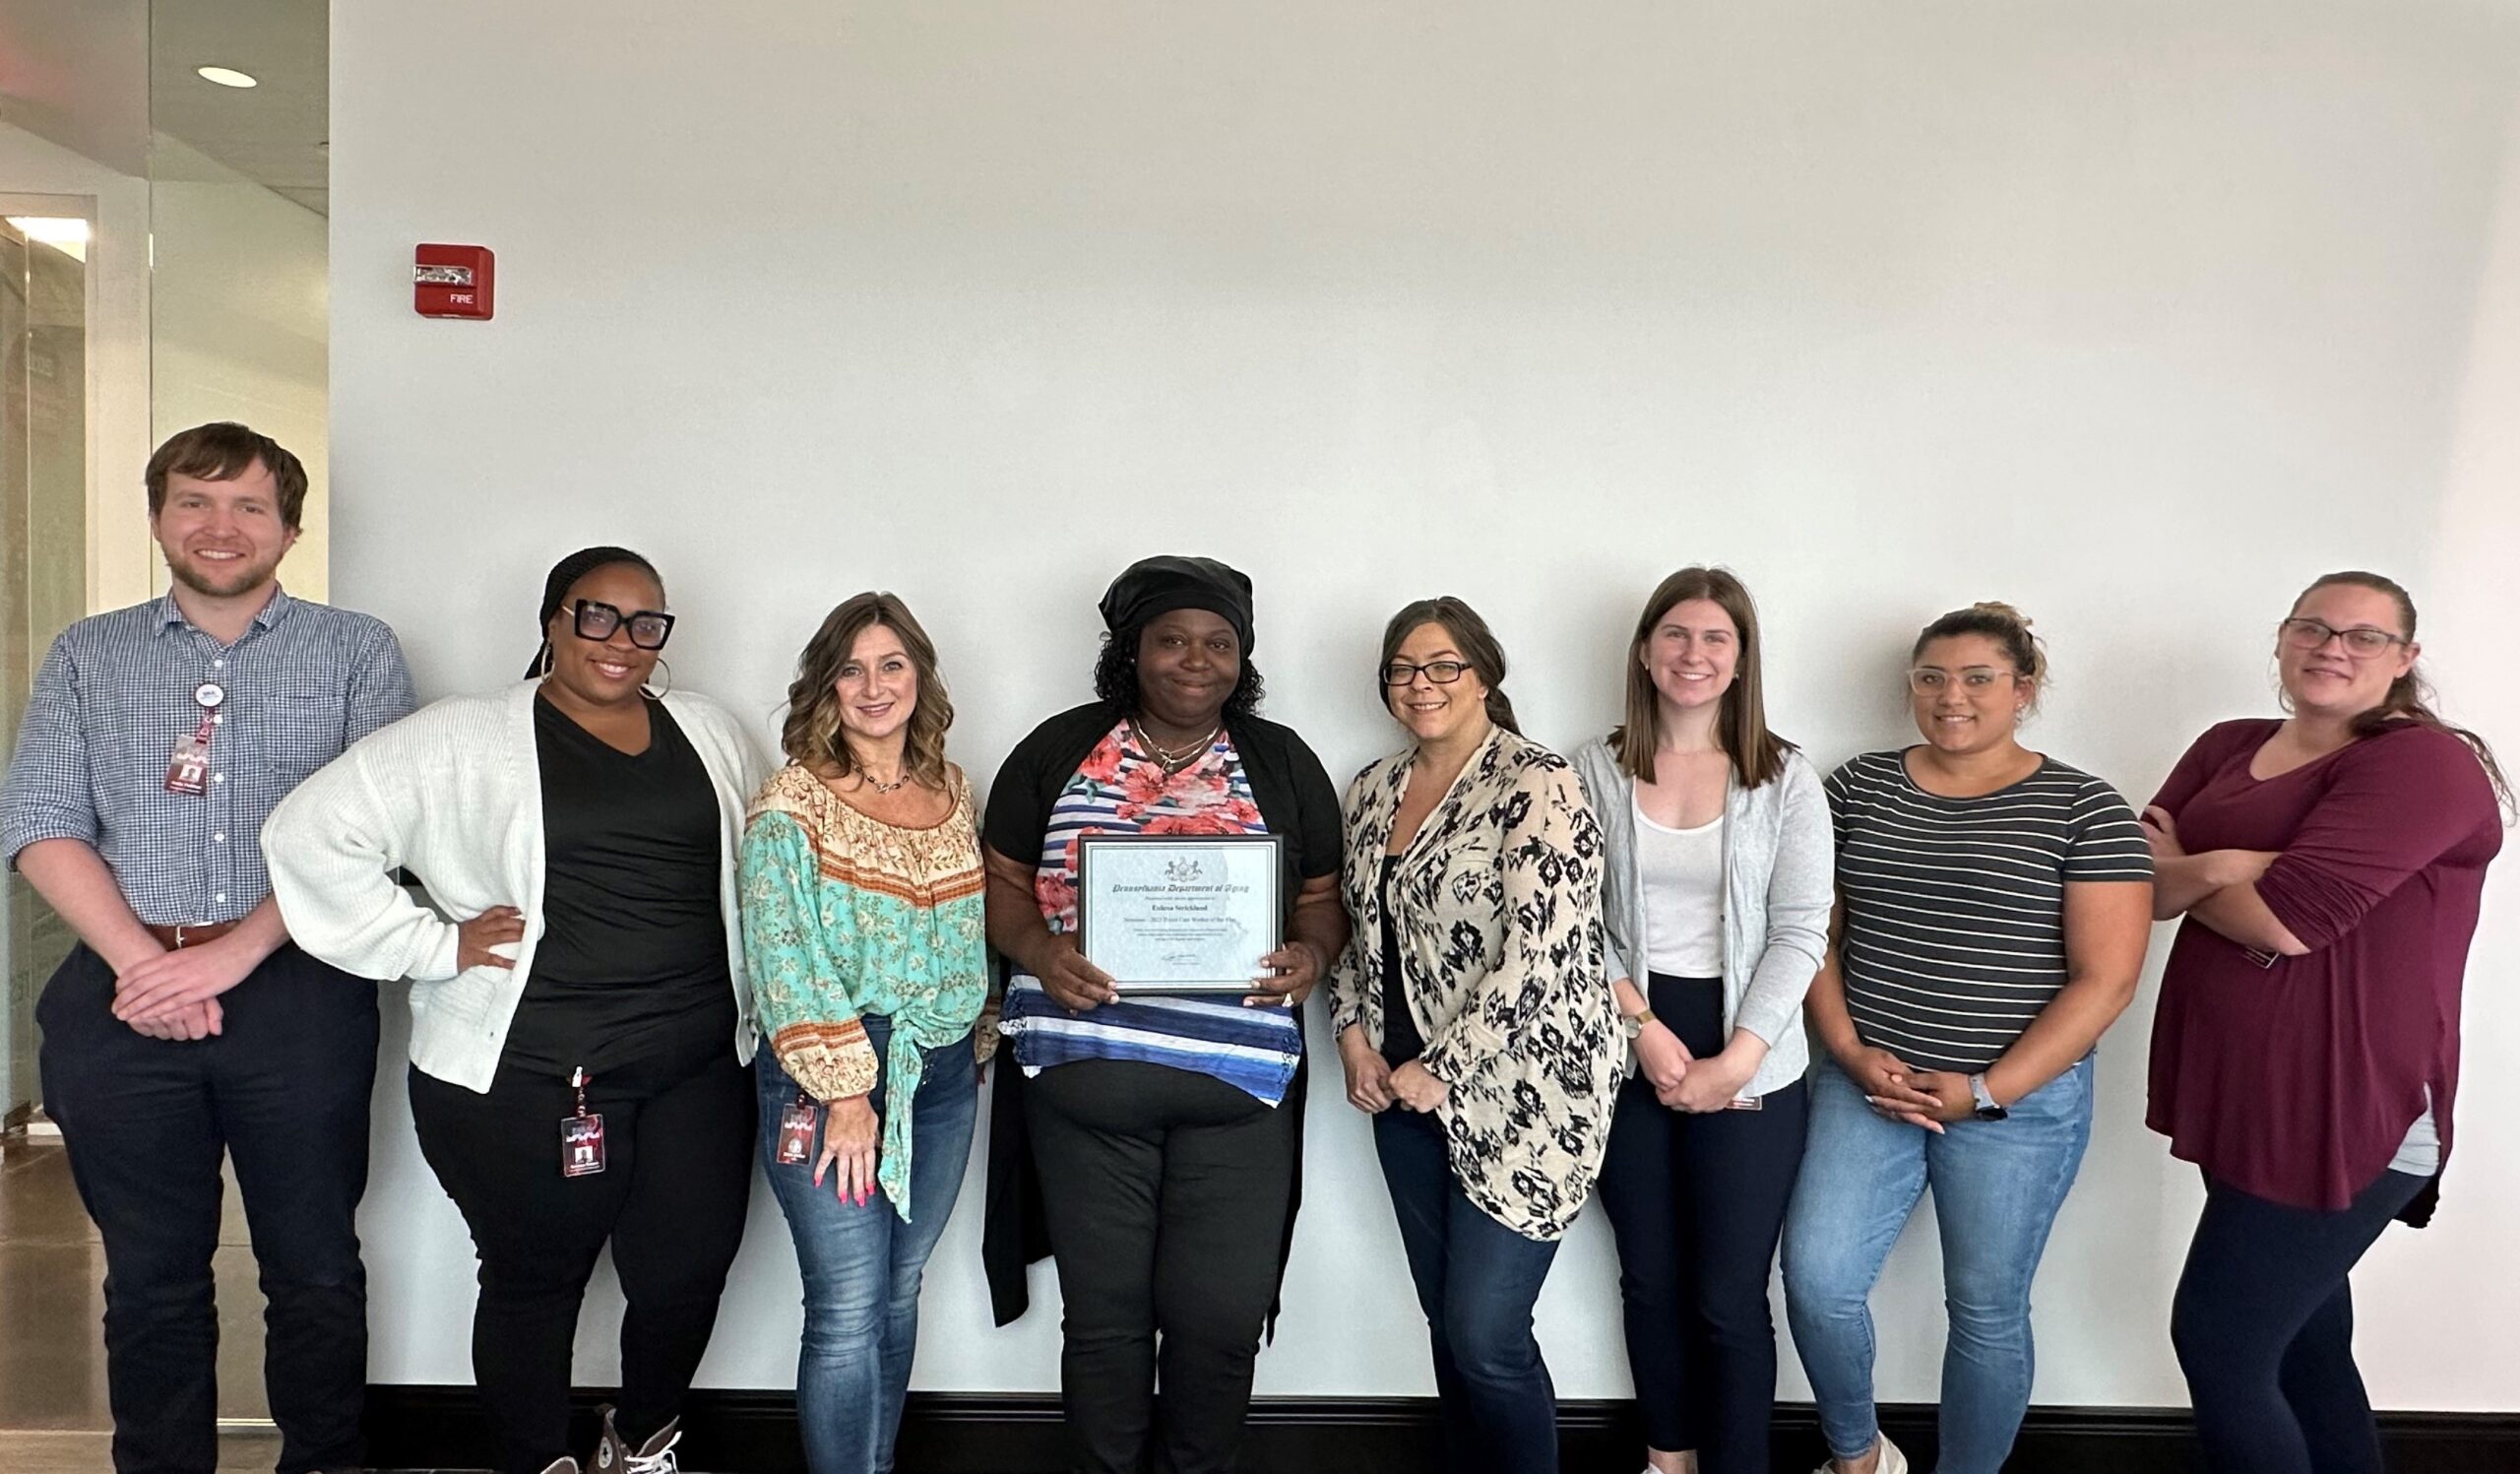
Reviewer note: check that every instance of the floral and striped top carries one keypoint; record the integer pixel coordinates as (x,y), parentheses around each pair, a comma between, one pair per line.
(845,916)
(1118,790)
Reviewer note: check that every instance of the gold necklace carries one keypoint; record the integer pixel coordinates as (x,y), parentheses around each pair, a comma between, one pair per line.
(1173,759)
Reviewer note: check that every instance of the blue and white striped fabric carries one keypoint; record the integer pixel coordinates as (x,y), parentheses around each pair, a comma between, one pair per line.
(1119,791)
(304,681)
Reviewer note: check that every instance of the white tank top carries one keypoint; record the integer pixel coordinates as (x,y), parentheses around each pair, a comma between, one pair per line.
(1684,874)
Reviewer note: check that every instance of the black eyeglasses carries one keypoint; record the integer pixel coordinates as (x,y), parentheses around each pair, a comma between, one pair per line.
(1441,673)
(2361,641)
(649,629)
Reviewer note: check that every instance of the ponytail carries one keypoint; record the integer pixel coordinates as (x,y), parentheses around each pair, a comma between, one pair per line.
(1502,711)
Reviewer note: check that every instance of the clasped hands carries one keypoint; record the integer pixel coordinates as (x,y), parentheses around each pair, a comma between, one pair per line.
(1374,1086)
(174,995)
(1682,1081)
(1931,1099)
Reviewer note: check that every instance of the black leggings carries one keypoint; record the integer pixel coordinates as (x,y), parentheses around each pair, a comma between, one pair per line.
(678,1137)
(2264,1327)
(1696,1203)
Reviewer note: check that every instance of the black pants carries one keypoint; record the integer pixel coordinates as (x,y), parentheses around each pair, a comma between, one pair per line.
(282,1092)
(677,1178)
(1164,1193)
(1697,1203)
(2263,1323)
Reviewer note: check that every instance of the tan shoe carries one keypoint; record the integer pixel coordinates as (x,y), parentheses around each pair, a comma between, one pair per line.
(614,1456)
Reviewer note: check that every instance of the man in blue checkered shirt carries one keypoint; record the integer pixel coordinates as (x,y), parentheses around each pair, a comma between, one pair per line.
(184,1026)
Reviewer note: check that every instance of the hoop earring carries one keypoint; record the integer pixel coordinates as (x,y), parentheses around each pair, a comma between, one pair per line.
(659,695)
(545,672)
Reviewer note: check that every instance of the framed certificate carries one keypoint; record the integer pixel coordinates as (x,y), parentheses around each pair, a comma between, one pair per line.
(1179,913)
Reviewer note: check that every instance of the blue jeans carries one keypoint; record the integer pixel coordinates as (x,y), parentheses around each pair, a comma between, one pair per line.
(1477,1281)
(862,1265)
(1996,1187)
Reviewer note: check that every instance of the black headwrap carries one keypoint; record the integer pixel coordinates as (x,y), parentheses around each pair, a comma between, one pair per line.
(564,576)
(1159,584)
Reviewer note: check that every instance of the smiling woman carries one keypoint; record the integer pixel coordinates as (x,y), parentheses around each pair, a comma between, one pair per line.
(863,920)
(2333,860)
(1994,908)
(586,829)
(1475,1016)
(1167,1129)
(1716,896)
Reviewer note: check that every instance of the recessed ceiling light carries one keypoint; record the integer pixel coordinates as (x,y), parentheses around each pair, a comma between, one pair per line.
(67,234)
(223,75)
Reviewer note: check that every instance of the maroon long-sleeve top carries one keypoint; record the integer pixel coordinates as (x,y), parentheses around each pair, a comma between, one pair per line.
(2296,1080)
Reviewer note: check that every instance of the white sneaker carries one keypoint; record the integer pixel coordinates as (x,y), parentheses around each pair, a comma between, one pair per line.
(1892,1462)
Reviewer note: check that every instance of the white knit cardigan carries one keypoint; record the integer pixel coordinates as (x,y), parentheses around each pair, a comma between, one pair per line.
(454,792)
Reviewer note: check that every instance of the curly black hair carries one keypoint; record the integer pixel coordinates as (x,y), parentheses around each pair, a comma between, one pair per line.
(1115,678)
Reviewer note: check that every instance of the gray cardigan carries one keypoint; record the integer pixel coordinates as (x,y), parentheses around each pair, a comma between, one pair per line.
(1779,862)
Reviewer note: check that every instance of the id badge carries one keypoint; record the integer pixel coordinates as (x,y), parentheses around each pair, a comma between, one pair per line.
(581,1146)
(188,770)
(796,1132)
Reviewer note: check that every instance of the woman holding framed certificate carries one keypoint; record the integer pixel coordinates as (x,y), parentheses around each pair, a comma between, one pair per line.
(1474,1017)
(1149,1134)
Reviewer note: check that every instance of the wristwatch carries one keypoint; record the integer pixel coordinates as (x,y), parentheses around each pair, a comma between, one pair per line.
(1987,1110)
(1633,1024)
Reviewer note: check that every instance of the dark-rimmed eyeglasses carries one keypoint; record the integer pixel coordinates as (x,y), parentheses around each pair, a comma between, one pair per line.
(2361,642)
(649,629)
(1441,673)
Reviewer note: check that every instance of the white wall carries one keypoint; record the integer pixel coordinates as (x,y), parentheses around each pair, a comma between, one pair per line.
(2135,315)
(239,330)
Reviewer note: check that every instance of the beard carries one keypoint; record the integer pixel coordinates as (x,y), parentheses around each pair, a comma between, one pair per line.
(222,580)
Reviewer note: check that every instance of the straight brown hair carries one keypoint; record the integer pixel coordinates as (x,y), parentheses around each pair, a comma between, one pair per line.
(1741,721)
(811,734)
(221,451)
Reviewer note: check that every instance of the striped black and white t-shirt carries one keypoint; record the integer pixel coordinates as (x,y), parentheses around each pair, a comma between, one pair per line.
(1955,908)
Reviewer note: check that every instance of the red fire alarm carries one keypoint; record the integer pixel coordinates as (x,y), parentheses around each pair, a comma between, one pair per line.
(451,281)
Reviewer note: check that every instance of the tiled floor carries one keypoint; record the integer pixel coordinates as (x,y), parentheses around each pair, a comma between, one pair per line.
(54,1416)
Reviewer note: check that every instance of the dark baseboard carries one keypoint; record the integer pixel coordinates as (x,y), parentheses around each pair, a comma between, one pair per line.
(958,1432)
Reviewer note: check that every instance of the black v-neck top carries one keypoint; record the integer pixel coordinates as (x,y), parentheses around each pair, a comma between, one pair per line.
(633,957)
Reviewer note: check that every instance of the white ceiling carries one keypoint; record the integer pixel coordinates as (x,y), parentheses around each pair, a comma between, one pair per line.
(272,133)
(73,73)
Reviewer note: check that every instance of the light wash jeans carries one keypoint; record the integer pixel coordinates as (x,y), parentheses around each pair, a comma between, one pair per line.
(862,1265)
(1996,1187)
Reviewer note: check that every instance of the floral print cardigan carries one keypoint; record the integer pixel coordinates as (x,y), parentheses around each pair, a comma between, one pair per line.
(1499,922)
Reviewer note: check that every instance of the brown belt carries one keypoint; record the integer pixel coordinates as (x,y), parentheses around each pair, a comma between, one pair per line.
(176,938)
